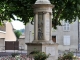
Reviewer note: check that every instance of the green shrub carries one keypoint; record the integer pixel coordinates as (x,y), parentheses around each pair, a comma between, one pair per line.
(14,54)
(34,52)
(67,56)
(40,56)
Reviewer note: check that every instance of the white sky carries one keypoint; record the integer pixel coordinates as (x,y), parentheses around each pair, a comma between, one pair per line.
(18,25)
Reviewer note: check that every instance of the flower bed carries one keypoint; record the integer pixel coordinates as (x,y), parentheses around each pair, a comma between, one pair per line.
(34,55)
(18,57)
(68,56)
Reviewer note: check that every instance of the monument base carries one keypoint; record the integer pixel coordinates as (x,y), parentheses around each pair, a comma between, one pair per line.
(48,48)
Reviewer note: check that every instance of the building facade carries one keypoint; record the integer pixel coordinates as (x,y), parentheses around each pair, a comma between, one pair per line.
(6,35)
(66,35)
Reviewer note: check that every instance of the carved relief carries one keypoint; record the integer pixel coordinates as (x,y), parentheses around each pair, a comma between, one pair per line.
(40,26)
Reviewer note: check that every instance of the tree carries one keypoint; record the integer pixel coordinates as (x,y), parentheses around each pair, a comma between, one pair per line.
(17,33)
(64,9)
(22,30)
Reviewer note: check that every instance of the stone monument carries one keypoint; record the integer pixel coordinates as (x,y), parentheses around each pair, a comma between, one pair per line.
(42,30)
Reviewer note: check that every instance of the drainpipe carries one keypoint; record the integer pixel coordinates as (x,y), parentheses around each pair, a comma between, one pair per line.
(78,33)
(29,36)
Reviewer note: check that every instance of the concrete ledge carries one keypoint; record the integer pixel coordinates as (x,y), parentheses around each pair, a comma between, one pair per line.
(41,43)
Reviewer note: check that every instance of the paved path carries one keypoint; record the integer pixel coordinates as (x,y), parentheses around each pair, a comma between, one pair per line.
(7,53)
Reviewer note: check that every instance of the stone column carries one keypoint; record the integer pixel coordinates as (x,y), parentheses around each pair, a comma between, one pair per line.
(50,25)
(36,27)
(44,26)
(47,27)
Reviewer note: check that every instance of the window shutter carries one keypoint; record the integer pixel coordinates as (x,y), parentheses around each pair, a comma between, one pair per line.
(66,40)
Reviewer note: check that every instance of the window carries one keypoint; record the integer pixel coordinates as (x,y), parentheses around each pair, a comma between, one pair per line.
(66,26)
(54,39)
(66,40)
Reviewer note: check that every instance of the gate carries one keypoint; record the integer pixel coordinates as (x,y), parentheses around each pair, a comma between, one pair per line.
(11,45)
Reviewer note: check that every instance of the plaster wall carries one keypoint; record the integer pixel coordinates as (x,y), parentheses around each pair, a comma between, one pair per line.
(2,45)
(2,34)
(10,36)
(21,43)
(73,33)
(29,32)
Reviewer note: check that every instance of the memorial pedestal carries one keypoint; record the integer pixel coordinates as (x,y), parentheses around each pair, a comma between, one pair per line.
(42,30)
(48,48)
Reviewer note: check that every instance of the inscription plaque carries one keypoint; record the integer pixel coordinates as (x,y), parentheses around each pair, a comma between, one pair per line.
(47,29)
(50,50)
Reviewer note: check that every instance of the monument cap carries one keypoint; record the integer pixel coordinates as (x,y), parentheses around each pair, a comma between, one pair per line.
(42,2)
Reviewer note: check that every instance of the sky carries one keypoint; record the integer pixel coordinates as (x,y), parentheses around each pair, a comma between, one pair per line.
(18,25)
